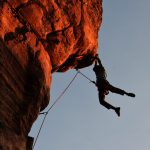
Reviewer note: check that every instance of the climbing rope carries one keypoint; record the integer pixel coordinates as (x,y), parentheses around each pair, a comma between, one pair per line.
(46,113)
(59,97)
(85,76)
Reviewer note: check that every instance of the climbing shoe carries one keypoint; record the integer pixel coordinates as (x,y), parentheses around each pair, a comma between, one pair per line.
(117,110)
(131,94)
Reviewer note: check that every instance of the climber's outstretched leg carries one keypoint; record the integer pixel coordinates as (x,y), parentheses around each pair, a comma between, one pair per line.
(119,91)
(107,105)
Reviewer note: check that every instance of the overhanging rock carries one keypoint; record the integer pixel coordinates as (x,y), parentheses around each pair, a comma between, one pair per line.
(37,38)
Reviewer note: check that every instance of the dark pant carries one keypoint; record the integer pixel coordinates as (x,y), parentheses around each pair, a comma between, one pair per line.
(103,102)
(116,90)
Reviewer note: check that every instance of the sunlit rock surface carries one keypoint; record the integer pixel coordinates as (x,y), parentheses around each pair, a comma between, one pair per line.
(37,38)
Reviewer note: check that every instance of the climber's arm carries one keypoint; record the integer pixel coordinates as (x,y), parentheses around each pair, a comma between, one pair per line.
(99,61)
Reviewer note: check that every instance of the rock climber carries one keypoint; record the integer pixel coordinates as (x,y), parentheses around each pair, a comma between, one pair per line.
(104,86)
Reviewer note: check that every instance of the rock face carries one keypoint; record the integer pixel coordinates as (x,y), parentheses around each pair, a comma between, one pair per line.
(37,38)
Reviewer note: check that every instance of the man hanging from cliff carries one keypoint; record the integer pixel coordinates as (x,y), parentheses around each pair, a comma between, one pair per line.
(104,86)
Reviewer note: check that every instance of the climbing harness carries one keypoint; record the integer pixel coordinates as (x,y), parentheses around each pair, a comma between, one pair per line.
(59,97)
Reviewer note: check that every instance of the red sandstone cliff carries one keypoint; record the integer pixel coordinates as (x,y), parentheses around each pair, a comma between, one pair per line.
(37,38)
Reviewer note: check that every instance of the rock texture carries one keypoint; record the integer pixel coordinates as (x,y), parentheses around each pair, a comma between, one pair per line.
(37,38)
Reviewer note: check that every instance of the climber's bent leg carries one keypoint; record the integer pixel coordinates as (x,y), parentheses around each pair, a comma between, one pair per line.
(107,105)
(103,102)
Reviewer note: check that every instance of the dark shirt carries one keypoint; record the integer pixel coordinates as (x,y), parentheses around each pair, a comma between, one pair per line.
(99,71)
(101,81)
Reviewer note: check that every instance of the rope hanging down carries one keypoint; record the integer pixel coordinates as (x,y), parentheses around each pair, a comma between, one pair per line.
(46,113)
